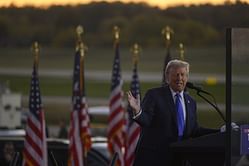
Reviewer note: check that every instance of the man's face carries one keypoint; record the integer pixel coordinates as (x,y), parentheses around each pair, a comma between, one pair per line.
(9,151)
(177,78)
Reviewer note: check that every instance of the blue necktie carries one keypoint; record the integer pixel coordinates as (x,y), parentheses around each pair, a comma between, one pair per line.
(180,116)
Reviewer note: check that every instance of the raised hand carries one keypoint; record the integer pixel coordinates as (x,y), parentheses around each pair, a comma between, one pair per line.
(134,102)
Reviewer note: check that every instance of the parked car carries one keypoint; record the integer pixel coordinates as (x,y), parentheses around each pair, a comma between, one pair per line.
(57,149)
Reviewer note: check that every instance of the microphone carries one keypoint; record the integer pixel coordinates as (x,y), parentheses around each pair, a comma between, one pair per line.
(198,89)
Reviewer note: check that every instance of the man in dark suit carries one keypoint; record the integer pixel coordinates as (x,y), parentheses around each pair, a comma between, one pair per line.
(159,119)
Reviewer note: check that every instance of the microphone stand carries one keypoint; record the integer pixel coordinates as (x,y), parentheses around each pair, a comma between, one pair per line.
(214,105)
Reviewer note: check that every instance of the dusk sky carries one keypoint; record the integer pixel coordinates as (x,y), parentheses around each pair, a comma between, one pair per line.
(159,3)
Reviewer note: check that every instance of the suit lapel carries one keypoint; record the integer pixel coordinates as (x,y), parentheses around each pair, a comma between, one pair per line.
(188,108)
(171,105)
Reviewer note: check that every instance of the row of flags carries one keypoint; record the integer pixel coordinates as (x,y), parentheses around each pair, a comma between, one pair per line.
(122,132)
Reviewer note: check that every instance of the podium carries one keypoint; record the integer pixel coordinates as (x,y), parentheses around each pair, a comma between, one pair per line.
(208,150)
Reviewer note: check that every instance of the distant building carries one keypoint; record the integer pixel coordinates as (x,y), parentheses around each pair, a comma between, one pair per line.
(10,108)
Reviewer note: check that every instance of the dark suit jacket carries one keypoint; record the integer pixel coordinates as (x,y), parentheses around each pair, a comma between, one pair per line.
(159,127)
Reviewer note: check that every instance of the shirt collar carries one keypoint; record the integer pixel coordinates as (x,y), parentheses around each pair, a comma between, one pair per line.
(174,93)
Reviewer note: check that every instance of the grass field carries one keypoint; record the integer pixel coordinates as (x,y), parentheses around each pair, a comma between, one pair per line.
(202,60)
(151,59)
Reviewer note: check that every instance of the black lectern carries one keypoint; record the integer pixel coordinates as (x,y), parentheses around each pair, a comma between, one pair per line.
(208,150)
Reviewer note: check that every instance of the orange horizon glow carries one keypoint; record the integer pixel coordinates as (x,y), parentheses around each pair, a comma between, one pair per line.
(158,3)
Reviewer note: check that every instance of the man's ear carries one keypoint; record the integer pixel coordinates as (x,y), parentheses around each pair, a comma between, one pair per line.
(166,78)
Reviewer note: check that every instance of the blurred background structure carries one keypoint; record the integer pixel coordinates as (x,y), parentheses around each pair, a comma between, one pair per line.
(194,31)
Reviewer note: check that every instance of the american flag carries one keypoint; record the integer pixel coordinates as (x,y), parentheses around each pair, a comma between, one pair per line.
(116,121)
(35,146)
(79,132)
(133,129)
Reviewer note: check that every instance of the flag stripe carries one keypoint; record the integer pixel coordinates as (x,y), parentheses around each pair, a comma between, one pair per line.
(28,158)
(134,133)
(116,114)
(31,139)
(115,98)
(116,129)
(36,135)
(34,156)
(35,122)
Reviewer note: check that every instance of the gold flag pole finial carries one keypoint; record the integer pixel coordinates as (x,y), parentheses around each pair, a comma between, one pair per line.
(181,51)
(35,50)
(116,32)
(79,32)
(80,46)
(167,33)
(136,50)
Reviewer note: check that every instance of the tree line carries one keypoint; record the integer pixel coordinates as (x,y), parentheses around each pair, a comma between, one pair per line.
(195,25)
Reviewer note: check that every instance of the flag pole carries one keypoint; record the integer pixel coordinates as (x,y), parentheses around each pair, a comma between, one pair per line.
(80,46)
(116,119)
(37,114)
(133,129)
(35,51)
(136,49)
(181,51)
(167,33)
(116,35)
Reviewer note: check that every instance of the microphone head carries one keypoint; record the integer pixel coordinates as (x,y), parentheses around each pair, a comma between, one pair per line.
(190,85)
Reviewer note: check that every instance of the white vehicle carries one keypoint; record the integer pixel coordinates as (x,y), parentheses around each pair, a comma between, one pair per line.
(10,108)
